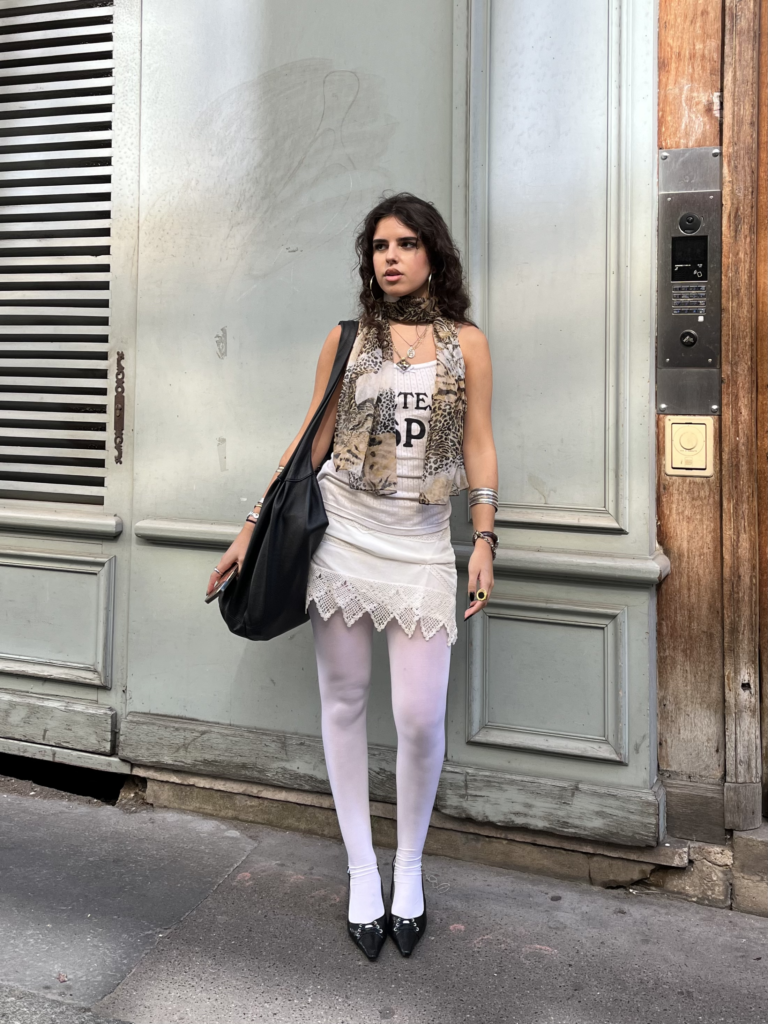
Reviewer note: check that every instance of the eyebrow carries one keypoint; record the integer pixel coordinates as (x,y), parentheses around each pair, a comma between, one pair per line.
(403,238)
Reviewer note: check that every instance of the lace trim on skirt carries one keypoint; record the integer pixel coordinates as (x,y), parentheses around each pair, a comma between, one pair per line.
(432,609)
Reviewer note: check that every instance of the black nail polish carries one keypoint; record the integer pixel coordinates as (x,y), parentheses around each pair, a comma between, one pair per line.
(471,595)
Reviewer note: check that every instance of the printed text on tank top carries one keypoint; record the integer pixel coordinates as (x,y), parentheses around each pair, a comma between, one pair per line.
(413,402)
(413,389)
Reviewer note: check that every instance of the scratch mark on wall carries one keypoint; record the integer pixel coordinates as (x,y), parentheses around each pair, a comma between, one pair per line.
(540,486)
(221,343)
(276,167)
(221,448)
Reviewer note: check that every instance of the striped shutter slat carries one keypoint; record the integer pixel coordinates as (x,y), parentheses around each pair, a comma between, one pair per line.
(56,93)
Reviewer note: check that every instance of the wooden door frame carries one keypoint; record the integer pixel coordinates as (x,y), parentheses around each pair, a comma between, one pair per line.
(714,531)
(762,382)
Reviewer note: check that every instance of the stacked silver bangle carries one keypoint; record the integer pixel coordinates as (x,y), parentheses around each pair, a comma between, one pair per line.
(252,517)
(484,496)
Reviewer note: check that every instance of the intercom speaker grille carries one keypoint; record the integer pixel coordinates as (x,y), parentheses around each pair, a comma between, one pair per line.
(56,81)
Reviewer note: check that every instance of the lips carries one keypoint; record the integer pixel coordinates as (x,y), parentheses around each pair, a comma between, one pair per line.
(392,274)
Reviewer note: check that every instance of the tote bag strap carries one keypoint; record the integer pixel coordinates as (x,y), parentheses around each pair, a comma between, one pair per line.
(296,464)
(343,352)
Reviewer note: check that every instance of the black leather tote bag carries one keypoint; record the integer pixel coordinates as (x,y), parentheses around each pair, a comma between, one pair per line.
(267,597)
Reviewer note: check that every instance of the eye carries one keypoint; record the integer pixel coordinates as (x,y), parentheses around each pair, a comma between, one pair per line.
(379,246)
(409,243)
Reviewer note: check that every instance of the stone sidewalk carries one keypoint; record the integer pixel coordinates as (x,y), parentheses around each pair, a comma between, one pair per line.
(161,917)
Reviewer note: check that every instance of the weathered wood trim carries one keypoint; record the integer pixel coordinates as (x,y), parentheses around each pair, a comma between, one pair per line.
(619,816)
(739,462)
(689,602)
(670,853)
(57,722)
(623,816)
(61,524)
(233,752)
(188,532)
(689,627)
(762,385)
(60,755)
(695,810)
(689,73)
(631,571)
(743,802)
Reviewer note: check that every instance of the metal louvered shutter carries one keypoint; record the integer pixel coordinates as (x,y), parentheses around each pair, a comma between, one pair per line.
(56,71)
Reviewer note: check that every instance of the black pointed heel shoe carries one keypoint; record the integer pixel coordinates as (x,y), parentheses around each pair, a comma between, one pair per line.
(369,937)
(406,931)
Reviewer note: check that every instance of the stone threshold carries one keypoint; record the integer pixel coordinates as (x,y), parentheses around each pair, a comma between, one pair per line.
(732,875)
(671,853)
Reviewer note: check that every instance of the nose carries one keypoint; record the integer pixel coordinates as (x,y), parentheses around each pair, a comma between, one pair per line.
(391,254)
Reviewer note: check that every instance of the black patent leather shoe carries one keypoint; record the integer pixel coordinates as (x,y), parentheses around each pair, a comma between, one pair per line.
(407,931)
(369,937)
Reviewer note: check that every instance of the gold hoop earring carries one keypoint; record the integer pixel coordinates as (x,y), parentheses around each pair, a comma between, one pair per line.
(429,283)
(370,285)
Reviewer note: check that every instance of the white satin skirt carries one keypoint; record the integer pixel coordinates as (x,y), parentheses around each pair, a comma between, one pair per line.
(360,568)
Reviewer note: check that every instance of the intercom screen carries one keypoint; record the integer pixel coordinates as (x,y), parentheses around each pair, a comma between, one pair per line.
(689,258)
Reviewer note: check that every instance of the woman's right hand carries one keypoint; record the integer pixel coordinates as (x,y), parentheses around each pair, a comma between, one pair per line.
(234,553)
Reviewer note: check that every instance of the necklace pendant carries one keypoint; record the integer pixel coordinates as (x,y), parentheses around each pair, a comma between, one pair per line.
(403,364)
(411,352)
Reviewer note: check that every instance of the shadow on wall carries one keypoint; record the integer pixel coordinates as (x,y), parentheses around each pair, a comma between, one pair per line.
(275,167)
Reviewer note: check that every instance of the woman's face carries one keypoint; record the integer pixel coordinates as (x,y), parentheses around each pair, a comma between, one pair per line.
(400,260)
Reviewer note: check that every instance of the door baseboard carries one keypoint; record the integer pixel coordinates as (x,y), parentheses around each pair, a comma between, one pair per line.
(57,722)
(63,755)
(630,817)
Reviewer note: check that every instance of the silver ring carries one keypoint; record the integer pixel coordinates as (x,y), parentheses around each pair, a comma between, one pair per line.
(217,570)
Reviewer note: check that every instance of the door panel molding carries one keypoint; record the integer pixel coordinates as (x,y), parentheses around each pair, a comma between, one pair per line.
(609,741)
(565,565)
(61,522)
(24,661)
(612,517)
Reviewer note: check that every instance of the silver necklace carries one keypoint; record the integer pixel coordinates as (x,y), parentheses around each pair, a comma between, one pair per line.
(411,350)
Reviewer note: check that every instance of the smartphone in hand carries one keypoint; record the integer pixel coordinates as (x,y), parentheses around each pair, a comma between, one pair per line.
(222,583)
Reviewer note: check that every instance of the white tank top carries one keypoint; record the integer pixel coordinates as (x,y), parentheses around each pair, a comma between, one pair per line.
(413,395)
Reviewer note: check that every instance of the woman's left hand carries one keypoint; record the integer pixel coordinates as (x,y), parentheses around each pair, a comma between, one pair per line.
(480,577)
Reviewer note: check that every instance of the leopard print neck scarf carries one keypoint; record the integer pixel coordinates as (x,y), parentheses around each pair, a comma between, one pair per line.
(365,443)
(407,310)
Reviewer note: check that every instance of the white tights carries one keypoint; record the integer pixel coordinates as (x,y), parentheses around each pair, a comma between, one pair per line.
(419,672)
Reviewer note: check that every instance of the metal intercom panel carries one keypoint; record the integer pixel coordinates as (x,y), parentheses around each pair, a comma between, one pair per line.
(689,285)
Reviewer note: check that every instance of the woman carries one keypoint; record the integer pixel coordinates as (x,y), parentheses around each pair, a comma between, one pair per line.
(409,424)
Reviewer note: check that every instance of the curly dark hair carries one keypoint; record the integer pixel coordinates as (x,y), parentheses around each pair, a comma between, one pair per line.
(421,217)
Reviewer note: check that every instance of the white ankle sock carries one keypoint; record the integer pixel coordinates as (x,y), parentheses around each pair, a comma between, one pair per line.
(409,897)
(365,902)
